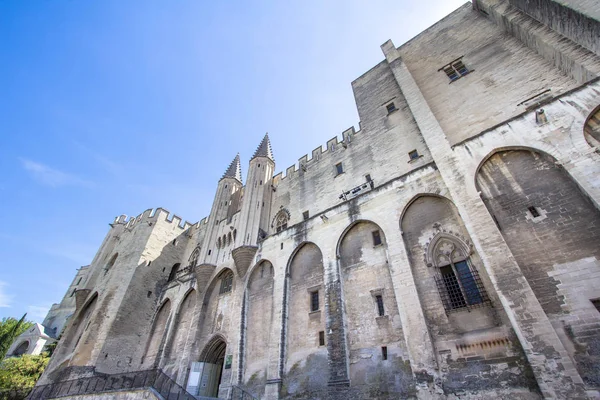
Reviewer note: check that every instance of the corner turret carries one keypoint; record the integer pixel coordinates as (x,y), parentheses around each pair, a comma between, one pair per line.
(226,202)
(256,205)
(234,170)
(264,149)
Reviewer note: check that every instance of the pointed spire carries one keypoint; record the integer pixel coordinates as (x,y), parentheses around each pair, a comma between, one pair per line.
(264,149)
(234,170)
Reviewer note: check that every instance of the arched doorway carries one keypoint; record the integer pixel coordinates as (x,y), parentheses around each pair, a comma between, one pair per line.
(22,349)
(205,375)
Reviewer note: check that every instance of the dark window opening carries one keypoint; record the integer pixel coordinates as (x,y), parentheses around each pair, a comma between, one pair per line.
(209,251)
(455,70)
(455,295)
(391,108)
(534,212)
(314,301)
(305,215)
(368,177)
(174,242)
(596,303)
(226,283)
(380,309)
(73,292)
(413,155)
(339,169)
(321,338)
(174,271)
(460,286)
(376,238)
(149,293)
(281,246)
(78,282)
(384,352)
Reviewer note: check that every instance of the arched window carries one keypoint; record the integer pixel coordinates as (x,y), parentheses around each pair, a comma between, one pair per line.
(226,282)
(457,280)
(194,257)
(174,271)
(281,220)
(228,238)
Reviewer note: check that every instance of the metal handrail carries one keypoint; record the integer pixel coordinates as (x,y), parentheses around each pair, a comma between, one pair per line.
(154,378)
(239,393)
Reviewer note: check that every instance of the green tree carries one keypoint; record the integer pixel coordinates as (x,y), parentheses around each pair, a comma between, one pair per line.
(10,328)
(22,372)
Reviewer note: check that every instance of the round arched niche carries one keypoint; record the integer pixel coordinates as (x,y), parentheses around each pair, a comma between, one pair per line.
(371,310)
(591,129)
(552,228)
(305,311)
(448,273)
(157,333)
(259,321)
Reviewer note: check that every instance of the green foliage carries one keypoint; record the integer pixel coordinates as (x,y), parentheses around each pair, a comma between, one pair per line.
(22,372)
(10,328)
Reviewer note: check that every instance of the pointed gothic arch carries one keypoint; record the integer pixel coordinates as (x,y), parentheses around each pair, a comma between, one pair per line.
(193,260)
(280,222)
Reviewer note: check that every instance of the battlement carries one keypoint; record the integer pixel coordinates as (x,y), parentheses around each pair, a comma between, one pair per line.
(332,145)
(153,214)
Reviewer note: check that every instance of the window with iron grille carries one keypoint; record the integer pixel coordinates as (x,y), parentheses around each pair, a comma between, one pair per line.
(460,286)
(314,301)
(226,282)
(379,301)
(455,69)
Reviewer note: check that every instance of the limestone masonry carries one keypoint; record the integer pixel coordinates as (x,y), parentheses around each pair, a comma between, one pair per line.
(449,248)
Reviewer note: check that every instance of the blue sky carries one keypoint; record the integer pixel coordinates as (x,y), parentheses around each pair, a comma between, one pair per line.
(113,107)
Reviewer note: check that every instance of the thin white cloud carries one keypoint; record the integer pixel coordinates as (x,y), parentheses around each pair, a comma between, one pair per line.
(37,313)
(5,298)
(52,177)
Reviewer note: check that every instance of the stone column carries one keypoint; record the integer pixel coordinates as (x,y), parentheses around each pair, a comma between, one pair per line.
(419,345)
(554,371)
(277,342)
(335,325)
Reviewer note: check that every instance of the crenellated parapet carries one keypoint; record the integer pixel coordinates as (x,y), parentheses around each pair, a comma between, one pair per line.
(152,215)
(349,136)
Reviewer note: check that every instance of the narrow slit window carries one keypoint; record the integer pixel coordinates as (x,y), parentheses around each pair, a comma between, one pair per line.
(339,168)
(379,301)
(376,238)
(314,301)
(384,354)
(305,215)
(321,338)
